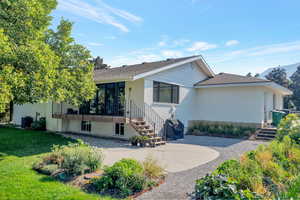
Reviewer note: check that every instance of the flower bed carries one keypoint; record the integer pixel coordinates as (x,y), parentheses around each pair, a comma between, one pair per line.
(81,165)
(268,172)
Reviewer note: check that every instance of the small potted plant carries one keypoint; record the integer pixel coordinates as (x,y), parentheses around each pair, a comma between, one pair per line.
(134,140)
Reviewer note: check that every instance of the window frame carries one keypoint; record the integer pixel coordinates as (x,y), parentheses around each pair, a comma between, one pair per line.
(86,126)
(156,96)
(120,129)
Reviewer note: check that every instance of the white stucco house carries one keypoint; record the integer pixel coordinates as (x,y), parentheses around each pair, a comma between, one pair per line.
(149,93)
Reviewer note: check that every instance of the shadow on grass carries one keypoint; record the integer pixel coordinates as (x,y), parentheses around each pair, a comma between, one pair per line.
(18,142)
(48,179)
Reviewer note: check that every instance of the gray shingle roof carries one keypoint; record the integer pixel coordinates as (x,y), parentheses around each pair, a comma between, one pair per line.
(225,78)
(128,71)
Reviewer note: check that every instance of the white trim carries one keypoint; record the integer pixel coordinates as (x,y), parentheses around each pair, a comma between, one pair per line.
(168,67)
(207,66)
(272,85)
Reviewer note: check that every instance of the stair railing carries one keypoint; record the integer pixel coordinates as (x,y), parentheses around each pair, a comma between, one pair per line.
(147,113)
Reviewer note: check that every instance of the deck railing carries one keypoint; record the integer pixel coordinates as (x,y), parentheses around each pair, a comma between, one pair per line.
(133,111)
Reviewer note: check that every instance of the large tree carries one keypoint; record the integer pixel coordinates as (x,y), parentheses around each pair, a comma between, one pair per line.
(37,64)
(295,87)
(279,76)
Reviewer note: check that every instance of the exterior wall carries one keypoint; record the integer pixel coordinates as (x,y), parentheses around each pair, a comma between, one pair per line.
(137,91)
(185,76)
(21,111)
(44,110)
(231,104)
(100,129)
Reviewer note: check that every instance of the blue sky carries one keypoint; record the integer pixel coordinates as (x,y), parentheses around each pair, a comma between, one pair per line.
(236,36)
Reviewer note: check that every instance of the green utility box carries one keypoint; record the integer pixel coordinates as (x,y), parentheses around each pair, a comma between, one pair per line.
(277,116)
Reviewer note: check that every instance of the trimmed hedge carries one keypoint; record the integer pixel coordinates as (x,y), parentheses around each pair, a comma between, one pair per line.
(226,130)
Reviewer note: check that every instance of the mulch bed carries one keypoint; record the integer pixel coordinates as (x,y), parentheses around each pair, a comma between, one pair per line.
(84,182)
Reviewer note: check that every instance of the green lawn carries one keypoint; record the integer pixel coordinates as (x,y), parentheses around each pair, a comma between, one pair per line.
(18,181)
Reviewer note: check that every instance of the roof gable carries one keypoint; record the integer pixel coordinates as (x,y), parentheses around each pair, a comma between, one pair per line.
(134,72)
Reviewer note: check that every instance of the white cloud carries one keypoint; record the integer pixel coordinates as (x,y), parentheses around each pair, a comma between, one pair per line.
(232,43)
(162,44)
(100,13)
(201,46)
(171,53)
(95,44)
(259,51)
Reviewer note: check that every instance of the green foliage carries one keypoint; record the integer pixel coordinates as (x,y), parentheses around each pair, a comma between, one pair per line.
(279,76)
(75,78)
(138,139)
(289,126)
(124,178)
(73,159)
(226,130)
(33,69)
(219,187)
(39,124)
(293,190)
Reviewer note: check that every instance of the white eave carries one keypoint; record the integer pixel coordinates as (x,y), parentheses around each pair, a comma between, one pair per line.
(269,84)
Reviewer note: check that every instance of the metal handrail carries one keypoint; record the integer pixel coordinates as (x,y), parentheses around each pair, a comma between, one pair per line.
(147,113)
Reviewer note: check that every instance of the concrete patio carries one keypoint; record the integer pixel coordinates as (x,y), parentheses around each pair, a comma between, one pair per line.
(186,160)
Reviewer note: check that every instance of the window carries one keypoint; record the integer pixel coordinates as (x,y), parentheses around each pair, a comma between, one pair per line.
(119,129)
(165,93)
(86,126)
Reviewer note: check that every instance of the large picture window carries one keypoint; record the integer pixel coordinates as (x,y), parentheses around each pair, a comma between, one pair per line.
(165,93)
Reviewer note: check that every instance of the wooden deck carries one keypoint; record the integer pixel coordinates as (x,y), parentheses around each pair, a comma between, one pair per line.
(94,118)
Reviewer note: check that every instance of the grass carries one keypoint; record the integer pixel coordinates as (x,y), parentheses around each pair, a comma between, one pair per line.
(19,149)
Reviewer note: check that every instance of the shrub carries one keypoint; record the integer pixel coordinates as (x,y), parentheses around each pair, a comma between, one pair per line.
(226,130)
(39,124)
(220,187)
(152,169)
(78,159)
(124,178)
(228,165)
(289,126)
(72,159)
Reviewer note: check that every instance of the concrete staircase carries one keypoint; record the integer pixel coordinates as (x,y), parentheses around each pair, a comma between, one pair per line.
(266,134)
(146,130)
